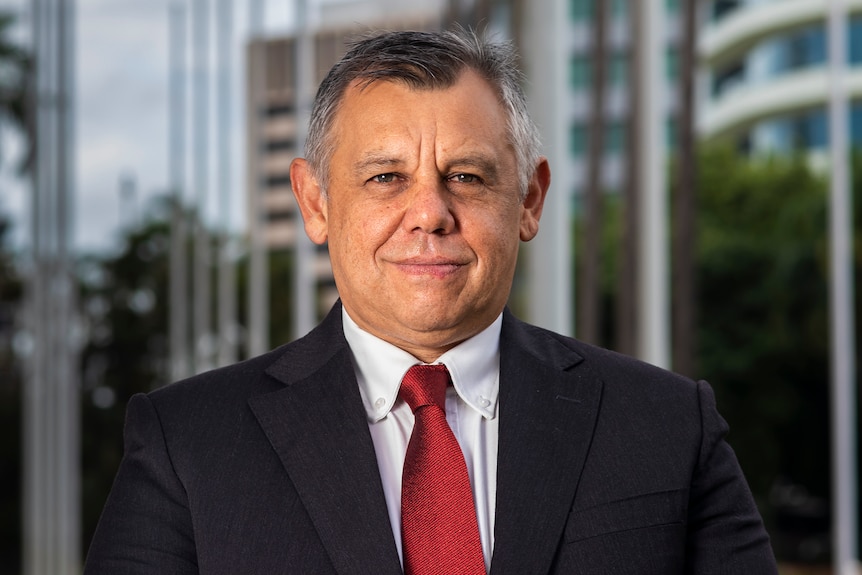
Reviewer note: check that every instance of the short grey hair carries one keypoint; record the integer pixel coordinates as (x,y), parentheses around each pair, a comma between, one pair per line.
(429,61)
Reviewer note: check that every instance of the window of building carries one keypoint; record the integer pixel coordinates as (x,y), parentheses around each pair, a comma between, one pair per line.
(275,110)
(672,134)
(722,8)
(276,180)
(671,63)
(281,145)
(618,69)
(581,10)
(811,131)
(578,140)
(672,6)
(728,77)
(615,138)
(279,216)
(806,47)
(854,40)
(580,70)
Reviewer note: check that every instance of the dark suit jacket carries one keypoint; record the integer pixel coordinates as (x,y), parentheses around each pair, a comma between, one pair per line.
(606,466)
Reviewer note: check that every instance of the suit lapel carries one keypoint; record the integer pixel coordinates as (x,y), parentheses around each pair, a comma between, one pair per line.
(548,409)
(317,426)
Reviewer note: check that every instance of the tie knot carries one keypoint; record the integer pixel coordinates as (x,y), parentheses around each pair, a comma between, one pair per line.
(425,385)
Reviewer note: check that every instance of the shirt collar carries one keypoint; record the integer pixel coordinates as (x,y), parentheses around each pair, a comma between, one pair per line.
(474,365)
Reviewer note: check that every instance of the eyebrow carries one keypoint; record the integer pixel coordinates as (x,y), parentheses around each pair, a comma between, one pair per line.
(376,161)
(485,164)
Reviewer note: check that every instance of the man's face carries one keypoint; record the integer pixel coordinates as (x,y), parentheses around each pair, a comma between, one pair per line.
(422,214)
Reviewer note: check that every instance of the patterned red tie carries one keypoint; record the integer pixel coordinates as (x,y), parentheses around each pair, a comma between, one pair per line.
(439,532)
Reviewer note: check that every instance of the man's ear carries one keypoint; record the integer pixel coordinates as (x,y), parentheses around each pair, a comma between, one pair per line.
(531,210)
(309,196)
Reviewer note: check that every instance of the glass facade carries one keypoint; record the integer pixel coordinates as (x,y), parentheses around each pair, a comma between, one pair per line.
(616,73)
(790,52)
(580,72)
(615,138)
(618,69)
(578,140)
(800,132)
(582,10)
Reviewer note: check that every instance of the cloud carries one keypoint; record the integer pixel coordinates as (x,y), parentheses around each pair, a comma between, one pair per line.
(121,124)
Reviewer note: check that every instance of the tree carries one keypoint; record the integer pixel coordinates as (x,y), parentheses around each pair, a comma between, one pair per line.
(124,297)
(763,329)
(124,300)
(10,412)
(14,72)
(762,332)
(14,66)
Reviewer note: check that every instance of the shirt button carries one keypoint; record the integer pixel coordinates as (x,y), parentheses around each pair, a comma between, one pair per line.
(379,404)
(484,401)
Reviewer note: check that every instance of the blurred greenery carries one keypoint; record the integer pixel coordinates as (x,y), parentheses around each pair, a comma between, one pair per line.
(15,66)
(762,328)
(10,411)
(125,300)
(763,333)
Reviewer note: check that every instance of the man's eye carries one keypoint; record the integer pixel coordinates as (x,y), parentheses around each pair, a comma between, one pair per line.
(464,179)
(383,178)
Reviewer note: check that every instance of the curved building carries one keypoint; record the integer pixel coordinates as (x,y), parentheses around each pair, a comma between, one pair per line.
(765,77)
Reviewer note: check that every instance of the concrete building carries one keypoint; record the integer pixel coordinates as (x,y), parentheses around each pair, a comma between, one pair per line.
(580,51)
(765,80)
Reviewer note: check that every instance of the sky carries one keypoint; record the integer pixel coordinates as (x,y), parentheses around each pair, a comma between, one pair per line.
(121,123)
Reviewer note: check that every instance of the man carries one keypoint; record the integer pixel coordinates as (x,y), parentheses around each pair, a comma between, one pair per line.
(423,175)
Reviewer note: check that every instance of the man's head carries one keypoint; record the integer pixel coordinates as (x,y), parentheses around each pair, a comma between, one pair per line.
(421,191)
(424,61)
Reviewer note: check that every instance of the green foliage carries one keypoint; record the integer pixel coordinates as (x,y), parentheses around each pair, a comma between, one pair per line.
(10,407)
(124,299)
(763,330)
(15,67)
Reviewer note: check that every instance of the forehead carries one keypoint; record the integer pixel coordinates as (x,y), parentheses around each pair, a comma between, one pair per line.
(470,108)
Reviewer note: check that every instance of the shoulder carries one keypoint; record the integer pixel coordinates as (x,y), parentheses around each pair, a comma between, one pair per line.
(612,368)
(235,384)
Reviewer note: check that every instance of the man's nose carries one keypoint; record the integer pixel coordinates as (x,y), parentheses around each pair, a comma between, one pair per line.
(429,209)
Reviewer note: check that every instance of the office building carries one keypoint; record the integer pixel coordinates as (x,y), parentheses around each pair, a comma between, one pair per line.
(765,80)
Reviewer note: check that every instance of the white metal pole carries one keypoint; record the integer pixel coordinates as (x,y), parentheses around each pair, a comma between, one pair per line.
(654,309)
(305,308)
(841,307)
(227,306)
(258,282)
(51,425)
(178,304)
(549,255)
(202,325)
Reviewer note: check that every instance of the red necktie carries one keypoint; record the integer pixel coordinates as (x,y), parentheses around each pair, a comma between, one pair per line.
(439,532)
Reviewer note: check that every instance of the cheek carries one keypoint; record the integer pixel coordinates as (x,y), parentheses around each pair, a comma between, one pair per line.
(496,237)
(359,234)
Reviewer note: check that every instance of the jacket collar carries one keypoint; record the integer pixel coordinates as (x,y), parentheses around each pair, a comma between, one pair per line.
(549,402)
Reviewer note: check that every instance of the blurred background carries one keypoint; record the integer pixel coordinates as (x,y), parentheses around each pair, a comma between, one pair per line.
(702,216)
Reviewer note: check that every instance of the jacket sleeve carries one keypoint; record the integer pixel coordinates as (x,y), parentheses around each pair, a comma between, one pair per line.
(145,527)
(725,531)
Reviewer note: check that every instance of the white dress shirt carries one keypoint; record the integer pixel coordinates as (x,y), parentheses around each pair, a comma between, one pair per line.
(471,410)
